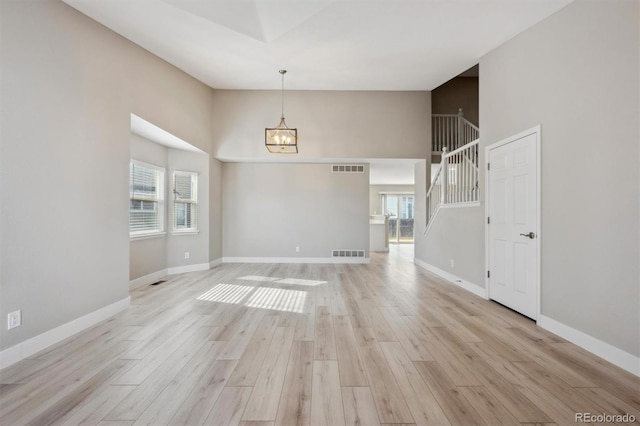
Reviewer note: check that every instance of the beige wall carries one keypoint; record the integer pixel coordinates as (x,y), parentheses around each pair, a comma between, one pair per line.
(330,124)
(68,86)
(270,209)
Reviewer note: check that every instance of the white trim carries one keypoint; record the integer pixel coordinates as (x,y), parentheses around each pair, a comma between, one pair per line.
(604,350)
(536,130)
(295,260)
(431,220)
(136,237)
(467,285)
(35,344)
(215,263)
(458,205)
(147,279)
(188,268)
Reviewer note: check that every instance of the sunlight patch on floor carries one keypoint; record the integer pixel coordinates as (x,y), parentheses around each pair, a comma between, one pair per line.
(299,281)
(277,299)
(258,278)
(226,293)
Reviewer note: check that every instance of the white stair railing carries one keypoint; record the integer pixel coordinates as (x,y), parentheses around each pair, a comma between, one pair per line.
(455,182)
(452,131)
(462,177)
(434,195)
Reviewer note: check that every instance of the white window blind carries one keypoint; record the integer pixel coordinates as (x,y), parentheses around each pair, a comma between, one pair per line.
(185,201)
(146,199)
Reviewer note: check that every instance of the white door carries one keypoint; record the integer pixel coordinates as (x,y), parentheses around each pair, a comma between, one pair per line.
(513,223)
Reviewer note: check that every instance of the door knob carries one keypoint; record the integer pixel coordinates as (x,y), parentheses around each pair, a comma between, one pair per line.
(530,235)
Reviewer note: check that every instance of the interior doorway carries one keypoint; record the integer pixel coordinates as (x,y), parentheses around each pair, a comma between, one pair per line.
(400,209)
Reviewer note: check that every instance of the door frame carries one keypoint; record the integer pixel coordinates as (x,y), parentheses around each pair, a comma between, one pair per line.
(532,131)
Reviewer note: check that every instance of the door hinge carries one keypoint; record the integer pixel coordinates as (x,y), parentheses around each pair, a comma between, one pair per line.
(488,274)
(488,220)
(488,166)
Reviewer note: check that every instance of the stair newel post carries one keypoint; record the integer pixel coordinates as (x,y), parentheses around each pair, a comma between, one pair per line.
(459,138)
(444,177)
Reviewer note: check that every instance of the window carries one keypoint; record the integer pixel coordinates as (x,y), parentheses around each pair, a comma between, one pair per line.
(146,199)
(185,201)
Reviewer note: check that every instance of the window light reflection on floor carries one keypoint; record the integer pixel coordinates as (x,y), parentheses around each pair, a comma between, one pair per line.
(258,278)
(263,298)
(278,299)
(226,293)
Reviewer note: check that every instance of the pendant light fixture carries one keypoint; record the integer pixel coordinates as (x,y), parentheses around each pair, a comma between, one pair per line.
(281,139)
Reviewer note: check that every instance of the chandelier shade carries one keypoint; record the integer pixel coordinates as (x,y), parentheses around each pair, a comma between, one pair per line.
(281,139)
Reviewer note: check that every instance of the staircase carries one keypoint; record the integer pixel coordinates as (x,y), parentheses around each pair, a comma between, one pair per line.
(455,182)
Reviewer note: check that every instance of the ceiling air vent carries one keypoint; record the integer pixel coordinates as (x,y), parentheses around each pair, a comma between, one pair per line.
(347,253)
(347,168)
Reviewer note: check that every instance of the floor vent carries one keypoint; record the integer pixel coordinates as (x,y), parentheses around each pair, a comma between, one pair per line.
(347,168)
(159,282)
(347,253)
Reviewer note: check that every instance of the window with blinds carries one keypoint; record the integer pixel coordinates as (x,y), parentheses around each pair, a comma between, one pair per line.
(146,199)
(185,201)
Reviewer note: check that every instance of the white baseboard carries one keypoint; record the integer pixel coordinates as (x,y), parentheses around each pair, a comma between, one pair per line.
(148,279)
(188,268)
(296,260)
(622,359)
(31,346)
(214,263)
(467,285)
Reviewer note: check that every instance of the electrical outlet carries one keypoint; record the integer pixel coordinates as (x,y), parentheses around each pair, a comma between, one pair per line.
(14,319)
(297,249)
(452,263)
(187,255)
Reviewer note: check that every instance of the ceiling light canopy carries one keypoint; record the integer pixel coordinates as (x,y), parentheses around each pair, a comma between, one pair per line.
(281,139)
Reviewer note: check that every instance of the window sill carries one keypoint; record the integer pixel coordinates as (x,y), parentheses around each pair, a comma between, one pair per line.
(196,232)
(147,236)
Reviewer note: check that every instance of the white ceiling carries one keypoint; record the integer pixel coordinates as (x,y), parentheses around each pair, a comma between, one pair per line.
(324,44)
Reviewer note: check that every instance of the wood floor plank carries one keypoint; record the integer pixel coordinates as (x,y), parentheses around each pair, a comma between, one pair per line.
(325,344)
(359,407)
(250,363)
(422,404)
(390,403)
(490,410)
(199,403)
(412,345)
(229,407)
(165,405)
(508,394)
(457,408)
(147,391)
(73,399)
(349,361)
(295,402)
(243,334)
(263,403)
(188,338)
(326,406)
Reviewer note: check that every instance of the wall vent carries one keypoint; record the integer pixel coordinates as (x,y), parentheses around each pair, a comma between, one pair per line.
(347,168)
(347,253)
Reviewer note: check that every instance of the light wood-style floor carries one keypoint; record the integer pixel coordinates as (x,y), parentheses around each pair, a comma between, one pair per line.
(262,344)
